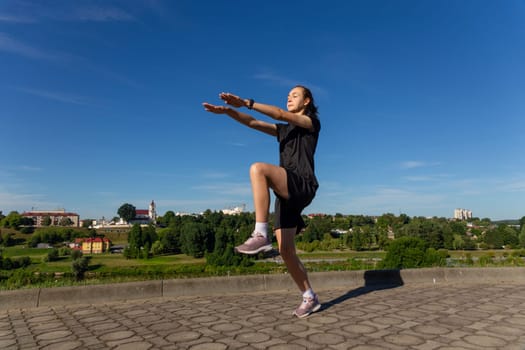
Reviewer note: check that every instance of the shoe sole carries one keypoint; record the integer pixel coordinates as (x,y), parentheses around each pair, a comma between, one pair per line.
(265,248)
(315,308)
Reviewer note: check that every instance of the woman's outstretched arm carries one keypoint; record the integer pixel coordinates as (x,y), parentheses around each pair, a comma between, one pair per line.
(273,112)
(242,118)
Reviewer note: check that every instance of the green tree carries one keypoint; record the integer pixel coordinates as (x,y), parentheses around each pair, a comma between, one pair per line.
(382,238)
(430,230)
(135,242)
(403,219)
(25,221)
(358,239)
(522,222)
(194,240)
(170,239)
(7,239)
(167,219)
(435,258)
(458,242)
(510,236)
(65,221)
(522,236)
(148,238)
(55,234)
(501,236)
(157,248)
(223,254)
(127,212)
(149,235)
(46,221)
(386,221)
(360,220)
(52,255)
(485,222)
(316,228)
(76,254)
(79,267)
(12,220)
(146,251)
(405,252)
(493,239)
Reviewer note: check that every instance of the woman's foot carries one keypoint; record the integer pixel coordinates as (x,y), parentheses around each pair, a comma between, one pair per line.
(255,244)
(308,306)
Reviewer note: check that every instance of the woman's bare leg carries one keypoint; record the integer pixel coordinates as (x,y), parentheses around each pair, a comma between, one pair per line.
(264,177)
(286,241)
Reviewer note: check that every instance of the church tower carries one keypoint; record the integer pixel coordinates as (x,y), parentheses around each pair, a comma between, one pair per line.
(152,212)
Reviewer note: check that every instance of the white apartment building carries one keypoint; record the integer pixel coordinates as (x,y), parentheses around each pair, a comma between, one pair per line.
(462,214)
(55,217)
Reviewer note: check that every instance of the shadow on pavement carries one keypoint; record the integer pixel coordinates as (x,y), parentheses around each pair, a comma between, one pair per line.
(374,280)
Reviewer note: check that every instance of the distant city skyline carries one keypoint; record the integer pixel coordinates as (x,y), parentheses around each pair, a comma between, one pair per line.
(421,103)
(151,212)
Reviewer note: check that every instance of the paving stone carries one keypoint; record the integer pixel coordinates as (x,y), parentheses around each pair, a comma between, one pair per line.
(418,316)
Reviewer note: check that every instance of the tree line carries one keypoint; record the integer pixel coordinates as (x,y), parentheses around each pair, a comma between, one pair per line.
(214,234)
(408,241)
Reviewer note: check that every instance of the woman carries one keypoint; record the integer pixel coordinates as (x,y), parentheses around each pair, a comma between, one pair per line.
(293,181)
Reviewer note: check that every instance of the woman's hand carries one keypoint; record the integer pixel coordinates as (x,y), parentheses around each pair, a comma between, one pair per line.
(232,100)
(215,109)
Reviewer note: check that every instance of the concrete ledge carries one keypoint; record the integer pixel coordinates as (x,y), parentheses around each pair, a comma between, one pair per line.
(23,298)
(29,298)
(464,275)
(99,293)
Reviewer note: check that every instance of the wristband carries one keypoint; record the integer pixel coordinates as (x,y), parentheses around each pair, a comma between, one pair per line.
(250,103)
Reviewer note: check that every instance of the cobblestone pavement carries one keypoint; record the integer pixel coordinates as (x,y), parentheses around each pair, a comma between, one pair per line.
(425,317)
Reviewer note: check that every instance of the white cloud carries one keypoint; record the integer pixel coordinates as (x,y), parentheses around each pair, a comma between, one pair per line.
(411,164)
(513,185)
(8,44)
(98,14)
(16,47)
(57,96)
(236,144)
(383,200)
(215,175)
(81,11)
(275,79)
(427,178)
(287,82)
(29,168)
(7,18)
(225,189)
(22,202)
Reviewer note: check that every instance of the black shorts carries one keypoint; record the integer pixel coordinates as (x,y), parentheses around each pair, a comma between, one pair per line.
(288,211)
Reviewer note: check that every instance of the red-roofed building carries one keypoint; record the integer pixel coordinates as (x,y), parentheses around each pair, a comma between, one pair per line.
(145,216)
(142,213)
(95,245)
(57,217)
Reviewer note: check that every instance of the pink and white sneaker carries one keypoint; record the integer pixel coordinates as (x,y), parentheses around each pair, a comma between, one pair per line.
(308,306)
(255,244)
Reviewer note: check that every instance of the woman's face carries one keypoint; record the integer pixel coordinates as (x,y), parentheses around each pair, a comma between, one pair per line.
(296,101)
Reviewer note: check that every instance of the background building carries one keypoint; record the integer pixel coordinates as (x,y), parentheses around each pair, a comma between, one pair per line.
(97,245)
(235,210)
(145,216)
(462,214)
(57,217)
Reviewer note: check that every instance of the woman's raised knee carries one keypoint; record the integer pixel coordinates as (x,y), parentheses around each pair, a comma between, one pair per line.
(257,169)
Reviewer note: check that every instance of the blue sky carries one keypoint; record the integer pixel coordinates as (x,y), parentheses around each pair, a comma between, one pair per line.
(422,103)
